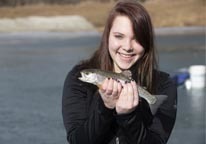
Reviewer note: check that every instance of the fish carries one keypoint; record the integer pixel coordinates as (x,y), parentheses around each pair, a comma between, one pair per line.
(97,76)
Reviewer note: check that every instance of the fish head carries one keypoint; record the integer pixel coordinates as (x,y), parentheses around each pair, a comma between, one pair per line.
(88,76)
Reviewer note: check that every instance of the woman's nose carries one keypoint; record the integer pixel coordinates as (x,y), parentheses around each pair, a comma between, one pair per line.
(128,45)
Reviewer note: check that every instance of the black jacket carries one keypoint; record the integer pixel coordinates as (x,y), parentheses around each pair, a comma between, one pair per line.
(88,121)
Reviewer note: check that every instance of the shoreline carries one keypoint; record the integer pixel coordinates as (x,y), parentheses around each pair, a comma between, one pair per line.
(40,23)
(170,36)
(76,23)
(163,31)
(180,30)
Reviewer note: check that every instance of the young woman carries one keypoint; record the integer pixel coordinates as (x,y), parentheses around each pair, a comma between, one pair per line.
(115,114)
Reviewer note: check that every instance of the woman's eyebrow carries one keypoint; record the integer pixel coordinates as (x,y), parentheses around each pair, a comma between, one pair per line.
(119,33)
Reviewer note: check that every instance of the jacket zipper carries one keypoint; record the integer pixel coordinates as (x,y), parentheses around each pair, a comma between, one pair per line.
(117,140)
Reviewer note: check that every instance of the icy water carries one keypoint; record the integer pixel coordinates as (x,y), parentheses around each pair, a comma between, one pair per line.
(33,67)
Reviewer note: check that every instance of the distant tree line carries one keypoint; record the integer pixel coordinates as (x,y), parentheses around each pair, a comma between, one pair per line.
(28,2)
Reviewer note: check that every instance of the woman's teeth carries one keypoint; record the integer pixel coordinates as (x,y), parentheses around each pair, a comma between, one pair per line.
(126,55)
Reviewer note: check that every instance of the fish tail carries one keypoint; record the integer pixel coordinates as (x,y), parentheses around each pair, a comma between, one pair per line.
(159,100)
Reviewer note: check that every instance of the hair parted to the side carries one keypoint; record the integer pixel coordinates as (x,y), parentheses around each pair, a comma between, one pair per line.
(143,31)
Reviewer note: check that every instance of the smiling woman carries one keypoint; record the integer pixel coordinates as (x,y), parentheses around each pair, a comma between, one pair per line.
(115,112)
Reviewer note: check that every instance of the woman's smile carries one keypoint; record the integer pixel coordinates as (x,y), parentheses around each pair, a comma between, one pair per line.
(126,57)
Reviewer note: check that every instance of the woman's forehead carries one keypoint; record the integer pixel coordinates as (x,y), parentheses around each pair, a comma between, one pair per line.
(122,24)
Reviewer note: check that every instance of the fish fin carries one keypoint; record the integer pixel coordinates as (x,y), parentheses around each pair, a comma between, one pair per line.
(160,100)
(127,73)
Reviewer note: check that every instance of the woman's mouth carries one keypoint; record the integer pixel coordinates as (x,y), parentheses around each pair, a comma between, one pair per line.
(126,56)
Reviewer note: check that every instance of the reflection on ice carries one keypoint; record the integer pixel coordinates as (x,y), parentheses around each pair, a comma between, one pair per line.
(196,97)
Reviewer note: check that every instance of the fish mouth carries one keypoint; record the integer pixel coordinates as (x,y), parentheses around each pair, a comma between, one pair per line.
(82,78)
(86,77)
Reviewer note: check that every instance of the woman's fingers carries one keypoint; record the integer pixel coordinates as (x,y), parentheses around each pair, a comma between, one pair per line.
(110,91)
(130,95)
(111,87)
(104,85)
(128,98)
(123,95)
(119,88)
(136,95)
(115,90)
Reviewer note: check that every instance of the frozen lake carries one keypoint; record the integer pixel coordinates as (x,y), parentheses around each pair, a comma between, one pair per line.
(33,67)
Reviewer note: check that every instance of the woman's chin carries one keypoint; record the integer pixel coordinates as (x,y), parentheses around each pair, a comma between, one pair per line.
(124,67)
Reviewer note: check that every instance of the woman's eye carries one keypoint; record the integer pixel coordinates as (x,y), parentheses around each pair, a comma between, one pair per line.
(118,36)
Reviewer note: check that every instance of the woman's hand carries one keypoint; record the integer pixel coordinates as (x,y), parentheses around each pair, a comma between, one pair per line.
(128,99)
(110,91)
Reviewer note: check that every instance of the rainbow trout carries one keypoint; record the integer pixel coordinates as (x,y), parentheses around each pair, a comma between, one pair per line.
(96,77)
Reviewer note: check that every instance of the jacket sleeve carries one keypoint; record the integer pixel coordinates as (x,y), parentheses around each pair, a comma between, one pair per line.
(85,122)
(140,127)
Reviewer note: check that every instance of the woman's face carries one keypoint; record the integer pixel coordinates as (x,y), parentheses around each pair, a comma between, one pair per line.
(123,47)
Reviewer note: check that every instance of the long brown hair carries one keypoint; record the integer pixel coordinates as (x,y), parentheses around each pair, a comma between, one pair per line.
(143,31)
